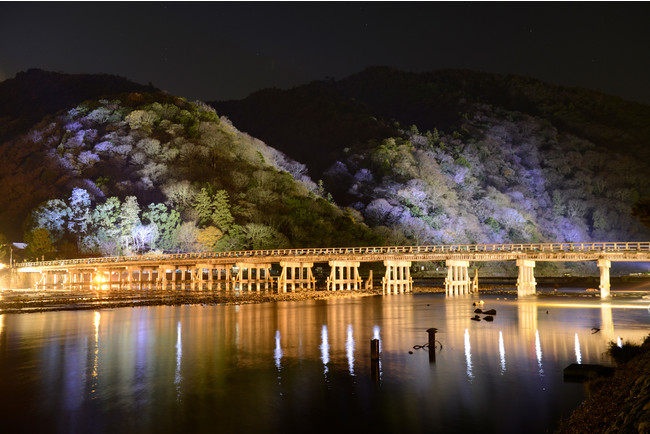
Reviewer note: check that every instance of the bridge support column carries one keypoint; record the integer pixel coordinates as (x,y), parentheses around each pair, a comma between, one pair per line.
(296,274)
(42,282)
(197,276)
(130,279)
(526,281)
(253,275)
(457,281)
(344,275)
(223,276)
(147,277)
(604,265)
(397,278)
(162,277)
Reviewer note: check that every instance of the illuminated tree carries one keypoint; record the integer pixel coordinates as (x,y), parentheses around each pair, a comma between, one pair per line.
(39,244)
(142,119)
(180,194)
(208,238)
(144,237)
(4,247)
(167,222)
(79,217)
(129,219)
(187,237)
(214,209)
(261,237)
(53,216)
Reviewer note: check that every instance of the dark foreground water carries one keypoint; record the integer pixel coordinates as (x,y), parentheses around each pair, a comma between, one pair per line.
(305,366)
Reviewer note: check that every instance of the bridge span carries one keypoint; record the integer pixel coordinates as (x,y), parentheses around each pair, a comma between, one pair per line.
(251,269)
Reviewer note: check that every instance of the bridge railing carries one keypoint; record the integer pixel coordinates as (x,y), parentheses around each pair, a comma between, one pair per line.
(338,251)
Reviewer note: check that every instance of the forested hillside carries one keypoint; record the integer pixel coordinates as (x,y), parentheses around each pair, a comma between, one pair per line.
(399,158)
(141,171)
(465,157)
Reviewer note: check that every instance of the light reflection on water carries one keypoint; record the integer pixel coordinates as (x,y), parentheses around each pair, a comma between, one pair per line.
(304,365)
(349,348)
(578,353)
(502,353)
(468,355)
(325,348)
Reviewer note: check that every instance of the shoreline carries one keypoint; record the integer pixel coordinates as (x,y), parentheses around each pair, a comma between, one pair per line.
(32,301)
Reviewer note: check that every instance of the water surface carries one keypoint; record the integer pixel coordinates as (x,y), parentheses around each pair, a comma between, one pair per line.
(305,366)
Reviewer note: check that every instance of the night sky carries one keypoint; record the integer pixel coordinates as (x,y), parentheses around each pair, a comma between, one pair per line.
(218,51)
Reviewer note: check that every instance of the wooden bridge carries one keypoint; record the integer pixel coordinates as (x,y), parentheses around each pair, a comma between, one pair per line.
(251,269)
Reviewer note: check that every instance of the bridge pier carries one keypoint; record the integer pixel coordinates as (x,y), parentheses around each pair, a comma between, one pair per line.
(223,276)
(197,276)
(604,265)
(162,278)
(457,281)
(129,279)
(296,273)
(344,275)
(526,283)
(397,278)
(256,276)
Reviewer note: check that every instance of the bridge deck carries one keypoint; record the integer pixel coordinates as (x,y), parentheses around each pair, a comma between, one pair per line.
(612,251)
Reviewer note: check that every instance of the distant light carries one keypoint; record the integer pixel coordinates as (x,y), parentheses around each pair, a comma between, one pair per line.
(578,352)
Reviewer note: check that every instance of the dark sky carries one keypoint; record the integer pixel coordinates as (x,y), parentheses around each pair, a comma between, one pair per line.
(215,51)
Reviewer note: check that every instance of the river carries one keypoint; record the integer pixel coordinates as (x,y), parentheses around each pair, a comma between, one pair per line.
(306,367)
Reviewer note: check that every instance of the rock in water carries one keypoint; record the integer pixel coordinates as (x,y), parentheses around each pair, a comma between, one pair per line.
(488,318)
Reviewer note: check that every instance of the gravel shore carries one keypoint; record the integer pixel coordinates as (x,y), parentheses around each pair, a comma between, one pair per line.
(620,404)
(43,301)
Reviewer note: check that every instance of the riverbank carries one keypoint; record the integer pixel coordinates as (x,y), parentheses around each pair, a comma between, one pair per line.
(30,301)
(620,404)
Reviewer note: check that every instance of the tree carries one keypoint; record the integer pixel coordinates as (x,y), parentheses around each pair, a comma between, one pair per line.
(214,209)
(144,237)
(187,237)
(79,216)
(180,194)
(53,216)
(39,244)
(167,221)
(129,219)
(208,238)
(4,247)
(262,237)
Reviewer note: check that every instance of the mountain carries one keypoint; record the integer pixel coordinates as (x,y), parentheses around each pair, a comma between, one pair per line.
(136,171)
(459,156)
(95,164)
(323,117)
(32,94)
